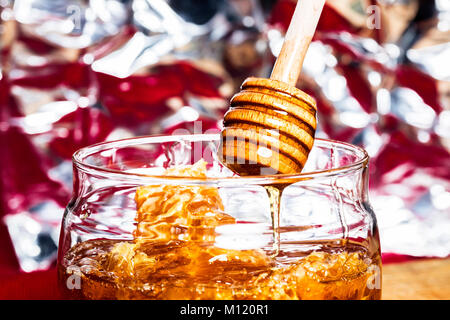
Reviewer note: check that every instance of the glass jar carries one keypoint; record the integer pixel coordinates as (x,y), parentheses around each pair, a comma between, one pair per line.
(160,218)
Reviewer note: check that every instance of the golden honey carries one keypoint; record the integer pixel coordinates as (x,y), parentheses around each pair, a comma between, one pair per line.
(174,255)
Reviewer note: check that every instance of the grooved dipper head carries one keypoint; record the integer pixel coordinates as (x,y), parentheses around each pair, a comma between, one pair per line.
(269,128)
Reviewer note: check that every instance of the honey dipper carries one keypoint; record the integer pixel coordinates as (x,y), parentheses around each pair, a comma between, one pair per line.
(270,125)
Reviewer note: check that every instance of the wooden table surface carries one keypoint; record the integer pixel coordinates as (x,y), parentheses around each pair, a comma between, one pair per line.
(427,279)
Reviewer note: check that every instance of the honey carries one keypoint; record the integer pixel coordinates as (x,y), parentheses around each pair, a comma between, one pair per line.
(175,255)
(179,270)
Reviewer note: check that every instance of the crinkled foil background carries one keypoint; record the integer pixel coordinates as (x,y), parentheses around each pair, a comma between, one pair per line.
(74,73)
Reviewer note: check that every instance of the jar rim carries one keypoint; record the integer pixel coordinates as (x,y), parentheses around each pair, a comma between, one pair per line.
(81,154)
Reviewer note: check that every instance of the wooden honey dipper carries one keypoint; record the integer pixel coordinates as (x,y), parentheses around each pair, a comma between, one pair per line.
(270,125)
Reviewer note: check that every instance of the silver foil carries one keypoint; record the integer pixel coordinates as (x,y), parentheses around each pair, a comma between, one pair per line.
(78,72)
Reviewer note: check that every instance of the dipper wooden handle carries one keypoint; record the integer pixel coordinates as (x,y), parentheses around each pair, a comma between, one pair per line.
(296,41)
(271,124)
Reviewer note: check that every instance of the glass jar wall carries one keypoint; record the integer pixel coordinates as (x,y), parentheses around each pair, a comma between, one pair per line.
(160,218)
